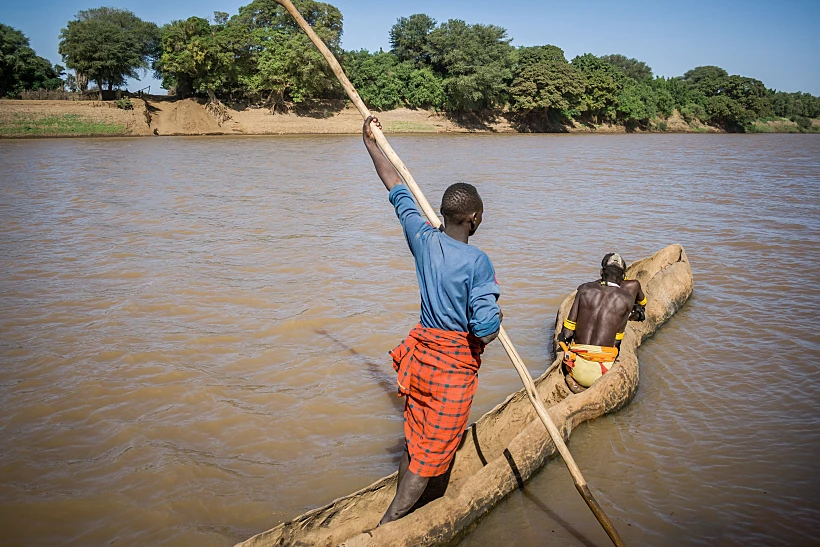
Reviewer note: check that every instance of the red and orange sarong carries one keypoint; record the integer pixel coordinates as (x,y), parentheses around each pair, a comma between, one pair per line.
(437,373)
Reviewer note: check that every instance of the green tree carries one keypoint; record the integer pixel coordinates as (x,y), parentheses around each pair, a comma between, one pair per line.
(722,110)
(637,103)
(729,101)
(409,38)
(603,84)
(706,79)
(633,68)
(803,123)
(325,19)
(750,94)
(701,73)
(108,45)
(545,86)
(21,69)
(681,92)
(530,55)
(182,54)
(384,82)
(285,66)
(379,78)
(663,94)
(200,57)
(474,60)
(221,18)
(693,111)
(792,105)
(425,88)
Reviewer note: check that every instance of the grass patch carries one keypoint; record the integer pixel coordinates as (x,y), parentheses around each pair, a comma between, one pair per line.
(778,126)
(33,125)
(773,119)
(758,127)
(410,127)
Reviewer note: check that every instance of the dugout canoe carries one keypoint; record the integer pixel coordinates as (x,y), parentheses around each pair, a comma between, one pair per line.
(504,448)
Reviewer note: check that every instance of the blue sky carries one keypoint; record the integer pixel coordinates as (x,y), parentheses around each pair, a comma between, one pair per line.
(775,41)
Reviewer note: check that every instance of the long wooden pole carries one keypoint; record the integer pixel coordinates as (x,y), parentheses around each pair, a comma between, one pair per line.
(518,363)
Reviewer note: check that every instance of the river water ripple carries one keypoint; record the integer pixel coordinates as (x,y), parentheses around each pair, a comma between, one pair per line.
(193,332)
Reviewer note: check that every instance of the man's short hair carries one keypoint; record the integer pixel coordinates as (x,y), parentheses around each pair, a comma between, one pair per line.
(460,201)
(614,267)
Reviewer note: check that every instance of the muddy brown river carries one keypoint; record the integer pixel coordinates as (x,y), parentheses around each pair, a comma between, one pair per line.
(194,332)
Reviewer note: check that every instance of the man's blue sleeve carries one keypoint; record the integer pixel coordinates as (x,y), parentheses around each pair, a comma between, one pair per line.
(411,220)
(484,310)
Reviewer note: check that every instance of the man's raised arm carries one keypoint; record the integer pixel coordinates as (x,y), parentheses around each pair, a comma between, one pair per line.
(390,177)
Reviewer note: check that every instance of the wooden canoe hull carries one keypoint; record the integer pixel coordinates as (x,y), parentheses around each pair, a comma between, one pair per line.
(505,447)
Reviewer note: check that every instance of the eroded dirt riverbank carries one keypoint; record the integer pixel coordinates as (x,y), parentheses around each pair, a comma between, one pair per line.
(164,116)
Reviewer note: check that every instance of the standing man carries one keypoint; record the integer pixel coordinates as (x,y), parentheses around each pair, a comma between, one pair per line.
(438,362)
(596,322)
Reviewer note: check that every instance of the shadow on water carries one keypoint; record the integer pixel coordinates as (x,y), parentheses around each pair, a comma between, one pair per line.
(542,506)
(560,521)
(375,370)
(437,486)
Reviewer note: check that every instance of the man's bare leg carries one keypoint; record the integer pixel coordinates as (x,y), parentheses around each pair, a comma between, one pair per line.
(408,492)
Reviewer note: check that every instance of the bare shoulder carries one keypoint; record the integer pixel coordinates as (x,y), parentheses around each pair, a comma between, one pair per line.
(588,286)
(633,286)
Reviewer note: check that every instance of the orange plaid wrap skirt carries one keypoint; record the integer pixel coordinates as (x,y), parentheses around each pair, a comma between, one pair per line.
(437,373)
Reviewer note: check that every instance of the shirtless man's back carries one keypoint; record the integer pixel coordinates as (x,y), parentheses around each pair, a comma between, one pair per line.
(596,322)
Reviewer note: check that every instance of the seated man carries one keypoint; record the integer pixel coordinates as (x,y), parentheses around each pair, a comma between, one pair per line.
(595,325)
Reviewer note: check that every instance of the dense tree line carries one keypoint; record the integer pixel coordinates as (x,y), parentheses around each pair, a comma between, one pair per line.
(21,69)
(456,66)
(259,55)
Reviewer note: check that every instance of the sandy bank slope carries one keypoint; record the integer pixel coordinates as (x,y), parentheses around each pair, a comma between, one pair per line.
(147,117)
(349,121)
(188,117)
(183,117)
(165,116)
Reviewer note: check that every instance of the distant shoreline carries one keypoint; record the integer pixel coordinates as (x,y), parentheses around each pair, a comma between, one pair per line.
(162,116)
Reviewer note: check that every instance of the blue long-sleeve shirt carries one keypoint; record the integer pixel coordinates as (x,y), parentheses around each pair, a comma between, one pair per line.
(457,281)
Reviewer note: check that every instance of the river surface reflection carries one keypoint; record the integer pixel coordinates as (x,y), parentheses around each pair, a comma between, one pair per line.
(194,332)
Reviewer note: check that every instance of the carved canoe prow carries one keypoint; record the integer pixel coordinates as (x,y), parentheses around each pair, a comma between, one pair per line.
(505,447)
